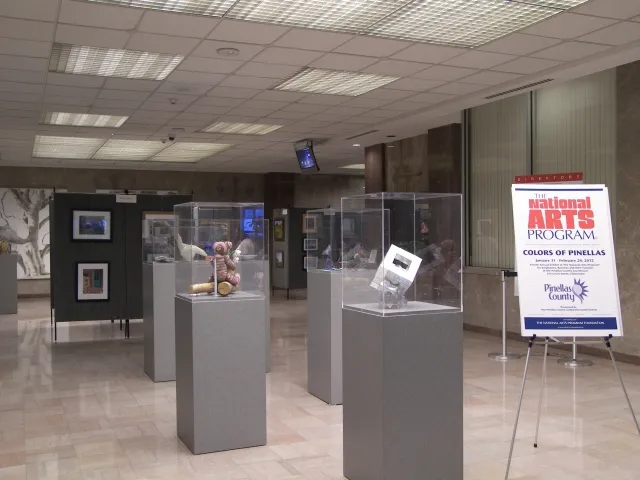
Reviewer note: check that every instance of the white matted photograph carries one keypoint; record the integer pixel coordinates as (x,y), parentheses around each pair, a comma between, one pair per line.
(310,244)
(92,225)
(92,281)
(309,223)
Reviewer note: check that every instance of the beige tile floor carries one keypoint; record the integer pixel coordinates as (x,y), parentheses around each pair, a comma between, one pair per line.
(83,409)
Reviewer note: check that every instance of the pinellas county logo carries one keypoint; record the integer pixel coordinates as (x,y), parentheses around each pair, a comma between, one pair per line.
(564,292)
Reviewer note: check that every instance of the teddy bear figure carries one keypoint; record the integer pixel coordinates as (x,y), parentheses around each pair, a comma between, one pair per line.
(225,266)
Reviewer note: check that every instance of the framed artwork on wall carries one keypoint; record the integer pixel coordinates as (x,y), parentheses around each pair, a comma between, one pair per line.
(278,230)
(92,282)
(309,223)
(279,259)
(91,225)
(310,244)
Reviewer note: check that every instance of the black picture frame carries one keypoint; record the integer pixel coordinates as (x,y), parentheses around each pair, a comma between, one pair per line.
(75,236)
(77,279)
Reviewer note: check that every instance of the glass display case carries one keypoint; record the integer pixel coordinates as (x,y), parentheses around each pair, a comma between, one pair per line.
(323,231)
(157,241)
(405,256)
(221,250)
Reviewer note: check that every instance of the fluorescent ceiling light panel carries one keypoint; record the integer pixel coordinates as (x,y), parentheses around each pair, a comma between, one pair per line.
(111,62)
(351,16)
(209,8)
(66,147)
(189,152)
(82,120)
(131,150)
(333,82)
(355,166)
(460,22)
(241,128)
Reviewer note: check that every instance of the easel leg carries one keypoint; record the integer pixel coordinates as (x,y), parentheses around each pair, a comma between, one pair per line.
(515,426)
(607,342)
(544,381)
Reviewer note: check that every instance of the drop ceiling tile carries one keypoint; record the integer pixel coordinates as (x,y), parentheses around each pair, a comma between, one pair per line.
(479,60)
(366,102)
(26,29)
(27,48)
(23,76)
(387,94)
(183,88)
(264,104)
(428,53)
(395,68)
(346,111)
(209,48)
(414,84)
(429,98)
(110,111)
(372,46)
(66,91)
(247,32)
(287,56)
(445,73)
(380,113)
(67,80)
(280,96)
(458,88)
(172,97)
(230,92)
(123,95)
(127,84)
(146,120)
(238,81)
(618,34)
(281,114)
(305,108)
(255,69)
(569,51)
(526,65)
(362,120)
(181,76)
(490,78)
(317,99)
(520,44)
(55,107)
(21,87)
(75,100)
(97,15)
(207,109)
(568,25)
(163,107)
(143,114)
(177,24)
(97,37)
(12,62)
(151,42)
(209,65)
(220,101)
(405,106)
(193,117)
(337,61)
(621,9)
(312,39)
(44,10)
(110,103)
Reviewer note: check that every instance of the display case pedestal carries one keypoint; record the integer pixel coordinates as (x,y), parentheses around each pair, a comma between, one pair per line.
(324,335)
(402,396)
(9,282)
(158,292)
(220,372)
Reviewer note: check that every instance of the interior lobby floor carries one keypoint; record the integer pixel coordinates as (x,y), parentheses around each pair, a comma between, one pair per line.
(83,409)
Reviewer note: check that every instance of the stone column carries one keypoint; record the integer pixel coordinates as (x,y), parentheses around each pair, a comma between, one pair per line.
(374,171)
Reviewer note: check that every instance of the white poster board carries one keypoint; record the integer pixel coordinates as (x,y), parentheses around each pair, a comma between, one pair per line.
(566,261)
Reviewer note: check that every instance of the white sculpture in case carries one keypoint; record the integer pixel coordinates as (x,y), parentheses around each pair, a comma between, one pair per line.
(394,276)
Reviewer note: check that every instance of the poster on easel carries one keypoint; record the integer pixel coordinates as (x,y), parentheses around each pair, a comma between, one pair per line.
(566,261)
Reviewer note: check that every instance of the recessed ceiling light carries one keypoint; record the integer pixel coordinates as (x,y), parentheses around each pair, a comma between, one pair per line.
(335,15)
(241,128)
(356,144)
(189,152)
(65,147)
(333,82)
(228,52)
(355,166)
(82,120)
(111,62)
(460,22)
(130,150)
(211,8)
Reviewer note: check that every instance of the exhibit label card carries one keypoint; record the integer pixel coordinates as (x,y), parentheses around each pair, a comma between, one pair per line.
(566,261)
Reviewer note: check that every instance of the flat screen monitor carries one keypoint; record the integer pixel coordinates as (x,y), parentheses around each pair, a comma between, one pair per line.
(307,159)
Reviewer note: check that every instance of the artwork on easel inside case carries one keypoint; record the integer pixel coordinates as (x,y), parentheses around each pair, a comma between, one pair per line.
(278,230)
(92,281)
(91,225)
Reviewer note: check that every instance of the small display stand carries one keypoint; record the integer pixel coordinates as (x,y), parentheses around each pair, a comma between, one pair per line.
(158,292)
(220,327)
(324,304)
(9,282)
(504,356)
(402,338)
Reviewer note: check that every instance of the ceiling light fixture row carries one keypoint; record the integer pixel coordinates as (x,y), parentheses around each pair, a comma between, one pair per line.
(82,120)
(129,150)
(446,22)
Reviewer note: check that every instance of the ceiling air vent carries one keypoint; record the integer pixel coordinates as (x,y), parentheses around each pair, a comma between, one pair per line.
(361,135)
(524,87)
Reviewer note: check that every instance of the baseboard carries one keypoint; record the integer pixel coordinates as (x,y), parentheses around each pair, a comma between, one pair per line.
(584,349)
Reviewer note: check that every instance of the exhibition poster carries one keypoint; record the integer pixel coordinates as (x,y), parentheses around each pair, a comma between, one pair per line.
(566,261)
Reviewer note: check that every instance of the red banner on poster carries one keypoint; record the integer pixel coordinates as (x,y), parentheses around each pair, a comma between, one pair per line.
(550,178)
